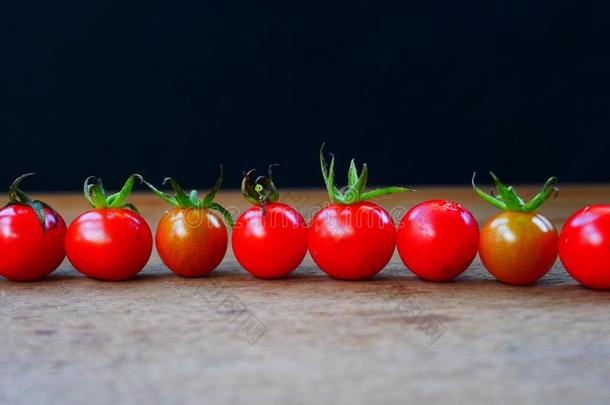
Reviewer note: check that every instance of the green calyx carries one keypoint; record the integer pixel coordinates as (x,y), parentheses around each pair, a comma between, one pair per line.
(181,200)
(260,191)
(356,183)
(18,197)
(96,195)
(506,199)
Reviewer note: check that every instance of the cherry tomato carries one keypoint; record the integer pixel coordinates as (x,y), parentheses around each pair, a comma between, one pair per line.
(584,246)
(352,242)
(518,246)
(270,239)
(191,239)
(191,242)
(31,237)
(437,240)
(270,245)
(352,239)
(111,242)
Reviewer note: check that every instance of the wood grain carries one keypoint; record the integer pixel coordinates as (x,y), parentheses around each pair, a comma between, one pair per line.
(229,338)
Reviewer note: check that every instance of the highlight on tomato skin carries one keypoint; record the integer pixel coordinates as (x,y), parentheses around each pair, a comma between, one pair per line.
(438,240)
(31,236)
(518,246)
(584,246)
(110,242)
(269,239)
(191,238)
(352,238)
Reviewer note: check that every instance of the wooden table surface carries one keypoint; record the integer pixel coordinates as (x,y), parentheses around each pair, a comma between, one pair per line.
(230,338)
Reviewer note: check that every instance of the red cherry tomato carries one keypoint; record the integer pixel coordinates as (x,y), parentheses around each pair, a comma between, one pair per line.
(584,246)
(270,239)
(30,248)
(352,239)
(109,244)
(270,245)
(437,240)
(352,242)
(518,246)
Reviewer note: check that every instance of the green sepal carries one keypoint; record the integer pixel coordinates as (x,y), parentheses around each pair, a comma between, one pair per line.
(87,192)
(508,200)
(385,191)
(352,173)
(507,194)
(181,200)
(547,190)
(15,195)
(248,188)
(355,190)
(490,199)
(131,206)
(100,184)
(328,173)
(226,214)
(38,209)
(260,191)
(118,200)
(179,194)
(356,187)
(165,197)
(212,193)
(95,194)
(18,197)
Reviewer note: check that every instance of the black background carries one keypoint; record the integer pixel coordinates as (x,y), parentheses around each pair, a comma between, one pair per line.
(423,91)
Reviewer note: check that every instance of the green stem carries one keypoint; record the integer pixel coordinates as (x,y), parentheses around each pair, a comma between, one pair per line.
(18,197)
(261,191)
(181,200)
(95,194)
(355,190)
(509,200)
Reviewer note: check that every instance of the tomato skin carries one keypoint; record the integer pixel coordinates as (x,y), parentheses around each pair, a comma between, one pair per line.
(191,242)
(109,244)
(438,239)
(28,253)
(518,248)
(352,242)
(273,245)
(584,246)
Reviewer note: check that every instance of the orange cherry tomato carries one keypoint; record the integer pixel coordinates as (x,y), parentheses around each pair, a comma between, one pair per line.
(192,239)
(191,242)
(518,247)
